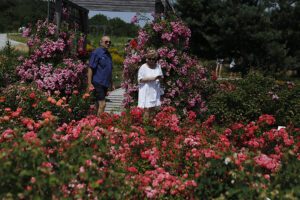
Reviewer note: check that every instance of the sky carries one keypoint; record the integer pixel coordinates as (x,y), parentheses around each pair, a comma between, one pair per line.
(125,16)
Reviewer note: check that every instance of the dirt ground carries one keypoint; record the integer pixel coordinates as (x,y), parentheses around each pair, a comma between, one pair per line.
(21,47)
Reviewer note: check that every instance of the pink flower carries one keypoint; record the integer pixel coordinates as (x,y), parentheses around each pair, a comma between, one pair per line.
(134,19)
(132,170)
(20,58)
(192,115)
(266,119)
(26,32)
(208,153)
(88,163)
(47,115)
(33,180)
(81,170)
(267,162)
(267,176)
(47,165)
(153,14)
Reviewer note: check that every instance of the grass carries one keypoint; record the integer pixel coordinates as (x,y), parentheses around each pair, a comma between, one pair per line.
(94,40)
(117,75)
(17,37)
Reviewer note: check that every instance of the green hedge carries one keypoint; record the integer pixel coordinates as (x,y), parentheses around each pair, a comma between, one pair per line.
(246,99)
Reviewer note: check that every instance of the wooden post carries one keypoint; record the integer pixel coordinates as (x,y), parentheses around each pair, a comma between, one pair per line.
(58,11)
(159,7)
(48,12)
(85,22)
(85,27)
(169,10)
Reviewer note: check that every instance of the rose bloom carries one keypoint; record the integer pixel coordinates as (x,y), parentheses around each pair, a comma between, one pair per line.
(133,44)
(267,176)
(32,95)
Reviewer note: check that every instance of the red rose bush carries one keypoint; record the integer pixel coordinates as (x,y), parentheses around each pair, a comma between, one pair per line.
(170,157)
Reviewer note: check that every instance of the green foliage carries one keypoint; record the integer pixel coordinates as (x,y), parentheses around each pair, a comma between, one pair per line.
(256,33)
(287,184)
(114,26)
(8,63)
(17,37)
(220,180)
(246,99)
(99,19)
(285,16)
(17,13)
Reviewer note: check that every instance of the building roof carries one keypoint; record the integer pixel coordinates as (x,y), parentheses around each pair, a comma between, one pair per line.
(120,5)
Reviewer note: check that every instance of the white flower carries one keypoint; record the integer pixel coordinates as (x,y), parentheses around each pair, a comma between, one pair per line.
(235,155)
(227,160)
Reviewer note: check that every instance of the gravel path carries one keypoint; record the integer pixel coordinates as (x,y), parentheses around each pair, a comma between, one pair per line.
(3,40)
(114,101)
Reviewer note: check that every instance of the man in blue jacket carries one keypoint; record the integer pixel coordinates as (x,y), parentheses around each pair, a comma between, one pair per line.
(100,73)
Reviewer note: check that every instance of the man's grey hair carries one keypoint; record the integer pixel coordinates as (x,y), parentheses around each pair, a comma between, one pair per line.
(101,39)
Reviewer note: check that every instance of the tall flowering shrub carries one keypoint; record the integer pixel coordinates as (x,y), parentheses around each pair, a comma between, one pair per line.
(52,62)
(186,83)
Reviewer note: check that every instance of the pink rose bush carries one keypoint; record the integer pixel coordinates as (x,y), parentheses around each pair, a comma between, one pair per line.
(186,83)
(52,62)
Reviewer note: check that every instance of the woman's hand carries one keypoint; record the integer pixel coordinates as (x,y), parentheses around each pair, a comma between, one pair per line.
(159,78)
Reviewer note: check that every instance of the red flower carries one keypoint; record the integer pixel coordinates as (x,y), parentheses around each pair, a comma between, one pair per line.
(132,170)
(47,115)
(192,115)
(213,75)
(32,96)
(266,119)
(133,44)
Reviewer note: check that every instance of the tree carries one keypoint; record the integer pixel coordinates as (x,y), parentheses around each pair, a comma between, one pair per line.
(285,17)
(16,13)
(236,28)
(99,19)
(115,26)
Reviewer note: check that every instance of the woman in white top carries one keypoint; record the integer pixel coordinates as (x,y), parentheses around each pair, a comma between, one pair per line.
(149,77)
(232,70)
